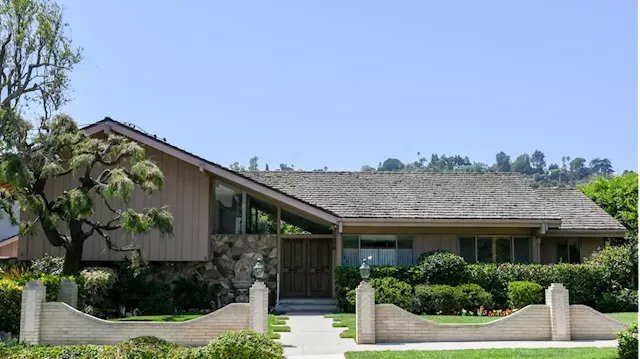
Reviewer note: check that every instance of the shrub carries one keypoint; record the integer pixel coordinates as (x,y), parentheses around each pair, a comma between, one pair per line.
(160,302)
(619,264)
(628,343)
(98,283)
(424,299)
(472,297)
(388,291)
(444,299)
(47,265)
(241,345)
(10,302)
(624,300)
(144,348)
(192,293)
(523,293)
(444,268)
(425,255)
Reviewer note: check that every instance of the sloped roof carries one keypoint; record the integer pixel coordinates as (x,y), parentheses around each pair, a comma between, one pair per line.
(422,195)
(578,212)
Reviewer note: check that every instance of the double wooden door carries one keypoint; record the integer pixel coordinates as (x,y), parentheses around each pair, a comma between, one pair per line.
(306,267)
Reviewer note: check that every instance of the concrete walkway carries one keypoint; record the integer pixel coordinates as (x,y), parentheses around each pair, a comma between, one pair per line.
(312,336)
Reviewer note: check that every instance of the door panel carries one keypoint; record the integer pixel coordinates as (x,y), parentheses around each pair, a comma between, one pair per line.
(306,267)
(319,269)
(293,268)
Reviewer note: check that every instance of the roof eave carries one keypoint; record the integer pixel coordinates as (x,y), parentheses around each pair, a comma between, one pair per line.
(447,222)
(612,233)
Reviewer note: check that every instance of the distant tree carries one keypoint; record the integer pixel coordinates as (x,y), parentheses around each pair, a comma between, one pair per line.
(618,196)
(565,159)
(601,167)
(475,167)
(391,164)
(537,161)
(253,163)
(324,169)
(367,168)
(553,166)
(266,166)
(237,167)
(578,169)
(522,164)
(503,162)
(285,167)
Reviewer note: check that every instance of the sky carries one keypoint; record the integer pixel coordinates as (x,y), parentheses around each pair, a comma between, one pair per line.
(347,83)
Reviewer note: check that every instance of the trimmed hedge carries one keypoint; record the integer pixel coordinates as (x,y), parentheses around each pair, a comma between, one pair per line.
(523,293)
(628,343)
(388,290)
(445,299)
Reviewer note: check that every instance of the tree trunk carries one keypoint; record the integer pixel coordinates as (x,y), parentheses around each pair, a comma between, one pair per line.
(73,258)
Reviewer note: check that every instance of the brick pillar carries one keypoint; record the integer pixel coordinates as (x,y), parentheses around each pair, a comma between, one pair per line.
(33,295)
(365,314)
(68,292)
(557,298)
(258,307)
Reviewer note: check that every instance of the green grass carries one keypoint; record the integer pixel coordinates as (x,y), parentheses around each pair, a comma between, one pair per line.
(349,320)
(578,353)
(276,323)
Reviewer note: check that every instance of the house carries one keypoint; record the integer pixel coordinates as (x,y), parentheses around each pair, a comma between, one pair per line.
(304,224)
(8,231)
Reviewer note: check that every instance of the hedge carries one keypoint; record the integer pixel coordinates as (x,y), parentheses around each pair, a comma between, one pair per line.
(523,293)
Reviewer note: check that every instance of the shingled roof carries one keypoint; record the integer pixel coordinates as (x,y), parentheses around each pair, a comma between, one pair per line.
(413,194)
(578,212)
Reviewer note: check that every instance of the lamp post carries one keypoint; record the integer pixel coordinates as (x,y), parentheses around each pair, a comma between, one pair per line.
(365,270)
(258,271)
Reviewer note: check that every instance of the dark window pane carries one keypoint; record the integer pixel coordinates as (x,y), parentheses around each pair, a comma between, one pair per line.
(521,249)
(228,210)
(485,250)
(562,254)
(405,242)
(349,241)
(574,253)
(405,250)
(467,249)
(503,250)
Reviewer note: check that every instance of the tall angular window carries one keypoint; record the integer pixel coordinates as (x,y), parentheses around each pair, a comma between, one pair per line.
(228,209)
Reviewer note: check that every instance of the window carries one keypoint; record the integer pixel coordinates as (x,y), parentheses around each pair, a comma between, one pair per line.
(568,251)
(383,249)
(228,209)
(494,249)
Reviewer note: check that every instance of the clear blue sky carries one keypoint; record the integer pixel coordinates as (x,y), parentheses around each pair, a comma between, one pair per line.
(347,83)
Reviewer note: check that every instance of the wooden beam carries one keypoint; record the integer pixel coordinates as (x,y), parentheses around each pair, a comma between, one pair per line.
(306,236)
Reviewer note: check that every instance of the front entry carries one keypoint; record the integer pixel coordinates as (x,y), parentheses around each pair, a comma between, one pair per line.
(306,267)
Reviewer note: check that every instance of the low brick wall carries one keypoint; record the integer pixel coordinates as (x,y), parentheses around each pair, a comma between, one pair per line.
(588,323)
(394,324)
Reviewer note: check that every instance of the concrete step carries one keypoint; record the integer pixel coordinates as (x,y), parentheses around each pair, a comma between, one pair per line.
(328,301)
(315,305)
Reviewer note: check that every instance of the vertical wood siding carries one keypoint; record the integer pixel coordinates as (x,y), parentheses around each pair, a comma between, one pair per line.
(428,242)
(187,193)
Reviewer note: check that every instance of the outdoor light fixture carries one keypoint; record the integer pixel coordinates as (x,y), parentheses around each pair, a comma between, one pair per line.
(258,271)
(365,270)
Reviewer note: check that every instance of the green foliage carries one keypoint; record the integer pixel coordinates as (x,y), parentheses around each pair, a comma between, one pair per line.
(388,291)
(98,284)
(10,301)
(618,196)
(391,164)
(241,345)
(145,348)
(192,293)
(47,265)
(522,164)
(623,300)
(619,265)
(472,296)
(445,299)
(444,268)
(523,293)
(425,255)
(628,343)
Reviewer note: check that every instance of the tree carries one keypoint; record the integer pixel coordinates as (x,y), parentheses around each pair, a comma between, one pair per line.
(253,163)
(266,167)
(367,168)
(618,196)
(565,159)
(237,167)
(391,164)
(578,169)
(522,164)
(36,56)
(553,166)
(601,167)
(503,162)
(103,171)
(538,162)
(285,167)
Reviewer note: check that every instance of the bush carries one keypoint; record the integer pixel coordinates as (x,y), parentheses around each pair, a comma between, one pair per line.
(425,255)
(388,291)
(241,345)
(145,348)
(193,293)
(624,300)
(619,264)
(98,283)
(10,302)
(444,299)
(472,297)
(628,343)
(444,268)
(523,293)
(47,265)
(424,299)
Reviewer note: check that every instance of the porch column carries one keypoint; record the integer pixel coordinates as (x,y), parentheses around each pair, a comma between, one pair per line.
(536,249)
(365,314)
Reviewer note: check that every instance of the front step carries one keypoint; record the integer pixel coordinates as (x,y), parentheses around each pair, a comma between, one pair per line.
(316,305)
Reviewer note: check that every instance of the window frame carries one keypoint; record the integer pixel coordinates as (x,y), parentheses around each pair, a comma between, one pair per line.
(396,239)
(567,242)
(494,238)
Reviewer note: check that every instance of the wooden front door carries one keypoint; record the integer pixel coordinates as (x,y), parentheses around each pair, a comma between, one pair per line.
(306,267)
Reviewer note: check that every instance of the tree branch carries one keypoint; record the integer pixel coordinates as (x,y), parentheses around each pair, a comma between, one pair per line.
(110,245)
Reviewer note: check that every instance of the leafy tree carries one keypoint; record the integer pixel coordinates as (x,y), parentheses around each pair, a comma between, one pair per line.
(522,164)
(237,167)
(618,196)
(104,171)
(367,168)
(578,169)
(553,166)
(285,167)
(253,163)
(266,167)
(601,166)
(565,159)
(391,164)
(503,162)
(538,162)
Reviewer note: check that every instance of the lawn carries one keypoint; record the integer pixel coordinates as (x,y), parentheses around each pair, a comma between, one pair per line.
(349,320)
(276,323)
(579,353)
